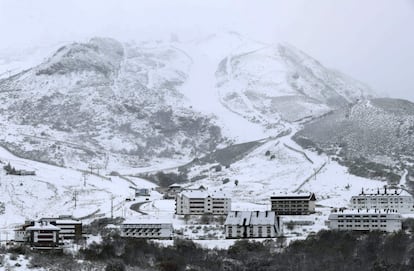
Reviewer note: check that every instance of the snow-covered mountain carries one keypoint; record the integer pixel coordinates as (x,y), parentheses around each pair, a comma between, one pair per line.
(113,103)
(91,100)
(374,138)
(127,107)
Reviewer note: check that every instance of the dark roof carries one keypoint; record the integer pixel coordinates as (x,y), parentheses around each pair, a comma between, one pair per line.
(311,197)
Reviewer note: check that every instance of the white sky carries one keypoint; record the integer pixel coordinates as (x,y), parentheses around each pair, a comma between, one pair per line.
(371,40)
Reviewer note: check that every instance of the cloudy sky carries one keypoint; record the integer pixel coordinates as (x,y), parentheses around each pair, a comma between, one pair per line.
(371,40)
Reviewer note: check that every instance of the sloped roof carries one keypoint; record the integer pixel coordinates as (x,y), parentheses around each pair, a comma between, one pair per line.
(42,227)
(238,218)
(251,218)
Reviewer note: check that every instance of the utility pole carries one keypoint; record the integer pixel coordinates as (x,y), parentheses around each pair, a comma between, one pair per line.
(112,207)
(91,168)
(75,195)
(84,179)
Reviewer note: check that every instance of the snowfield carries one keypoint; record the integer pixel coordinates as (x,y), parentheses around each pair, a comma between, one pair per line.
(287,169)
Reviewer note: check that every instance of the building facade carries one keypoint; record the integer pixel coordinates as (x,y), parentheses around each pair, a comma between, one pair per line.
(357,220)
(70,229)
(252,224)
(201,202)
(293,204)
(399,200)
(147,229)
(43,236)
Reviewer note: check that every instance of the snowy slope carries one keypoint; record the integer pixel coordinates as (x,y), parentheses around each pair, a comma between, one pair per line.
(104,102)
(60,191)
(279,82)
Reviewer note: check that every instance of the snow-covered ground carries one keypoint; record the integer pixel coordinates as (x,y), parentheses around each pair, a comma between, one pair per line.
(57,191)
(286,169)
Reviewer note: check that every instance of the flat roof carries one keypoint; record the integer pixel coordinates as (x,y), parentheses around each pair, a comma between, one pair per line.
(202,194)
(146,220)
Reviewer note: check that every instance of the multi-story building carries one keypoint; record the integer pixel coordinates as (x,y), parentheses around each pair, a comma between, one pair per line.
(43,235)
(399,200)
(20,234)
(70,229)
(256,224)
(293,204)
(365,220)
(147,229)
(202,202)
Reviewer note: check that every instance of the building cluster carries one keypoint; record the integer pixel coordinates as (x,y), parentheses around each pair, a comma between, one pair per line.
(238,224)
(49,233)
(373,211)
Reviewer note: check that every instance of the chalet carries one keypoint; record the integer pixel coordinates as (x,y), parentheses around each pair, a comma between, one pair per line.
(303,204)
(147,228)
(198,202)
(398,200)
(43,236)
(365,220)
(256,224)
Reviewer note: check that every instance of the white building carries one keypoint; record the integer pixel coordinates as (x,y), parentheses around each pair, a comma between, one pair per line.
(70,229)
(148,228)
(399,200)
(201,202)
(357,220)
(43,235)
(252,224)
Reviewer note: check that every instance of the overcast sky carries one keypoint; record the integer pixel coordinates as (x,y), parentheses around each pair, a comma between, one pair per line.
(371,40)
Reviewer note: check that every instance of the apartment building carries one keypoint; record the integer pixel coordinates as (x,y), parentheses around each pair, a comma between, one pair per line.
(43,235)
(365,220)
(200,202)
(252,224)
(147,228)
(395,199)
(300,204)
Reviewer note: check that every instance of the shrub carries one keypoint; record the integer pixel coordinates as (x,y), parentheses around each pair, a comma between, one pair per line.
(115,265)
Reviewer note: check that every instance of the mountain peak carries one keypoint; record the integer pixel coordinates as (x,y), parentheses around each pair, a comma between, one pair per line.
(99,55)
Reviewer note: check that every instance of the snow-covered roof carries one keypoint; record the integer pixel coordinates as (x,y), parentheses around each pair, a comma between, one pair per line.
(238,218)
(67,221)
(60,220)
(263,218)
(146,220)
(385,192)
(251,218)
(42,227)
(202,194)
(364,211)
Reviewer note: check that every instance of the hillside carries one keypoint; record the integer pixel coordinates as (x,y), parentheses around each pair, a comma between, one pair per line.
(110,104)
(280,82)
(374,138)
(104,102)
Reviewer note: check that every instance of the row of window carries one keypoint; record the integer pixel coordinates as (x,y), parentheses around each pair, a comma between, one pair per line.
(363,226)
(361,220)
